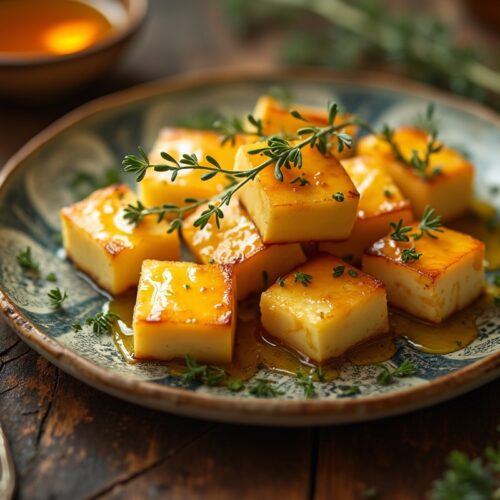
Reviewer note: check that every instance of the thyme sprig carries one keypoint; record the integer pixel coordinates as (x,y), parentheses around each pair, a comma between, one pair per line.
(263,388)
(306,382)
(277,151)
(26,261)
(232,127)
(207,374)
(386,376)
(429,224)
(410,255)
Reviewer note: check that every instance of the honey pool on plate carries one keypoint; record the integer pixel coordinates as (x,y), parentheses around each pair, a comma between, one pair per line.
(254,349)
(51,27)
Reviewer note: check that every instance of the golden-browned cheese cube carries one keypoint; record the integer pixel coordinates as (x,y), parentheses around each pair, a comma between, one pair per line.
(276,119)
(449,192)
(447,277)
(157,188)
(380,203)
(185,309)
(237,242)
(323,209)
(103,244)
(339,308)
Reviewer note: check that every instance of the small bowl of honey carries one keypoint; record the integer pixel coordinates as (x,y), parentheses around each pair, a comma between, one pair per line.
(49,47)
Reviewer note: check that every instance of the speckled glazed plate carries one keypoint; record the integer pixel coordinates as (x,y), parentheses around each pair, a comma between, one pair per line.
(34,186)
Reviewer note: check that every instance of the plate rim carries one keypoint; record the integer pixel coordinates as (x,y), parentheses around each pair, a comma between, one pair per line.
(238,409)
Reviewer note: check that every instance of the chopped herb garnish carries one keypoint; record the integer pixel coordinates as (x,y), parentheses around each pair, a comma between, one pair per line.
(211,260)
(338,271)
(386,376)
(429,224)
(388,193)
(319,373)
(265,279)
(301,180)
(338,197)
(186,286)
(303,278)
(352,273)
(57,297)
(207,374)
(235,385)
(102,322)
(51,277)
(281,281)
(77,327)
(410,255)
(348,390)
(400,232)
(306,382)
(25,259)
(263,388)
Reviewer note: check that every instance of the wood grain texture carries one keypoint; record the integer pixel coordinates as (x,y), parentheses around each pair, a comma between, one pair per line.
(70,441)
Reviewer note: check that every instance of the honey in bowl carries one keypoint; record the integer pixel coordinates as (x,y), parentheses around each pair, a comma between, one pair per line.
(44,28)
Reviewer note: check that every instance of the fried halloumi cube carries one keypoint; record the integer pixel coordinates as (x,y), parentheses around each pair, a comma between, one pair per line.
(103,244)
(448,185)
(325,307)
(315,203)
(448,275)
(157,188)
(238,242)
(183,309)
(380,203)
(276,119)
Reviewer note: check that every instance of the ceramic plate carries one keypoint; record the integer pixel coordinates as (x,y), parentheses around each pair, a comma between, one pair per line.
(34,186)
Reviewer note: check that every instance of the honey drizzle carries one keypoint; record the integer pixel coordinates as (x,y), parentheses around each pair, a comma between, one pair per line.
(255,350)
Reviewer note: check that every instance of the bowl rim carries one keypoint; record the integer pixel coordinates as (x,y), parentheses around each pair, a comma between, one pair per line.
(240,409)
(135,19)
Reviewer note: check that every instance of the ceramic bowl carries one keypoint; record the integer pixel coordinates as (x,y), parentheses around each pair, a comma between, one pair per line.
(41,77)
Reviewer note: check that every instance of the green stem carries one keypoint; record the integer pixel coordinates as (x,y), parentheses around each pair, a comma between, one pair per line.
(341,14)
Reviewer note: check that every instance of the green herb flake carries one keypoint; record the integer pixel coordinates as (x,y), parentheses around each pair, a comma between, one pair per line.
(51,277)
(386,376)
(26,261)
(235,385)
(57,297)
(306,382)
(102,323)
(281,281)
(338,271)
(303,278)
(263,388)
(338,197)
(353,273)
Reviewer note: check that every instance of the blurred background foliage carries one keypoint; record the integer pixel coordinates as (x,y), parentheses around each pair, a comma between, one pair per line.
(377,34)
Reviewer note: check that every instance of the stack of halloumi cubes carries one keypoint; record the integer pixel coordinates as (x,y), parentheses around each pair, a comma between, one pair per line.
(320,305)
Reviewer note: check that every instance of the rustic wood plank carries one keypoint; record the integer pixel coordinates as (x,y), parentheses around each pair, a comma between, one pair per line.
(402,456)
(230,462)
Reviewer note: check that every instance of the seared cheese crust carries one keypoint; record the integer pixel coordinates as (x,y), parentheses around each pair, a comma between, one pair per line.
(238,242)
(289,212)
(183,309)
(276,119)
(449,193)
(380,203)
(448,276)
(103,244)
(157,188)
(328,316)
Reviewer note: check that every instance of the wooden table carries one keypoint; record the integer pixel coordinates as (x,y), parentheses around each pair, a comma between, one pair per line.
(70,441)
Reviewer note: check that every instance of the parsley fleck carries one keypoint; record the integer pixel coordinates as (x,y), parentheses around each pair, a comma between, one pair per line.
(352,273)
(77,327)
(56,297)
(388,193)
(235,385)
(301,180)
(102,322)
(386,376)
(410,255)
(51,277)
(338,197)
(263,388)
(303,278)
(265,279)
(338,271)
(306,382)
(207,374)
(186,286)
(25,259)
